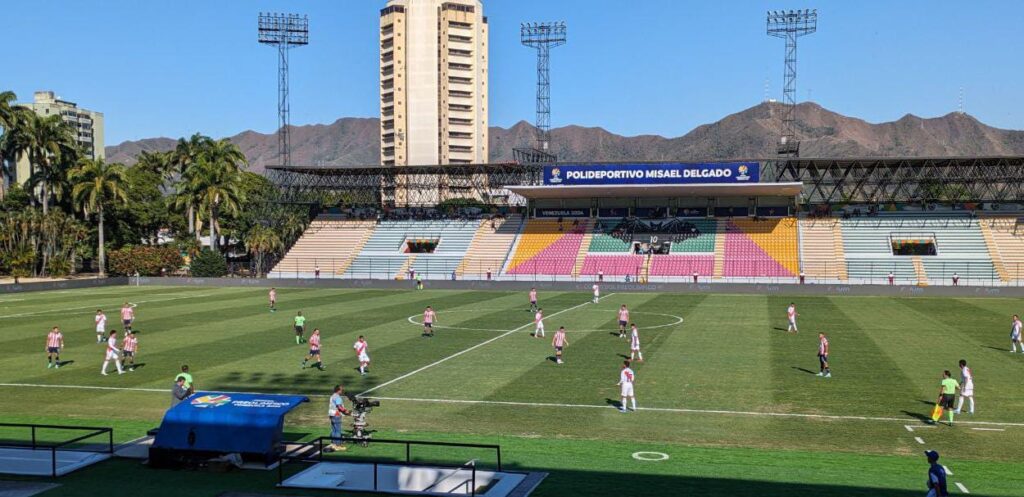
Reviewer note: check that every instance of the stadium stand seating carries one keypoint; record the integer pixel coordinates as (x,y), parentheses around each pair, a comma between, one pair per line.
(702,242)
(682,265)
(548,247)
(329,242)
(384,254)
(490,246)
(960,247)
(822,256)
(613,264)
(607,243)
(761,248)
(1006,245)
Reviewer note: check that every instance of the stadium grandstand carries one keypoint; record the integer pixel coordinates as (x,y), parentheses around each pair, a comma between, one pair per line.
(923,221)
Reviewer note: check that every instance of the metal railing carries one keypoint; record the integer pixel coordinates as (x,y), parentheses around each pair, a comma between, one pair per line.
(35,444)
(300,452)
(938,271)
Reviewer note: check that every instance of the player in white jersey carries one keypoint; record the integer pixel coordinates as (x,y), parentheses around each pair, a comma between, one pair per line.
(791,316)
(626,379)
(272,295)
(538,321)
(559,342)
(966,387)
(623,319)
(101,325)
(113,354)
(634,344)
(597,292)
(1015,335)
(362,354)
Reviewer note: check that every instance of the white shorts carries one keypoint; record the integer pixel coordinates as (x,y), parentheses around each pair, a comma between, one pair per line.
(540,326)
(626,390)
(112,356)
(1015,337)
(364,358)
(635,349)
(968,390)
(101,329)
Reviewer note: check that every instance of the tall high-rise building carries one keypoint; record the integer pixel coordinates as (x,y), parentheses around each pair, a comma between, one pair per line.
(433,82)
(87,126)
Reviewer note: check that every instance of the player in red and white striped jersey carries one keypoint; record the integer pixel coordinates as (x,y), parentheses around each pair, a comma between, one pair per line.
(314,351)
(273,299)
(626,379)
(113,353)
(101,325)
(429,317)
(559,342)
(131,346)
(127,316)
(823,351)
(362,353)
(533,299)
(538,321)
(54,342)
(623,319)
(634,344)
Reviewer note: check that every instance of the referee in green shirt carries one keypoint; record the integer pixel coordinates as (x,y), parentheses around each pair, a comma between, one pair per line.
(300,327)
(947,393)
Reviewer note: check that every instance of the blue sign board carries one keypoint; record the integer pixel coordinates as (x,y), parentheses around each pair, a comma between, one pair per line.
(652,174)
(227,422)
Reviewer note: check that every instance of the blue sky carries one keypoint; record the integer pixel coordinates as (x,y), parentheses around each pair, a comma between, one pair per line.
(163,68)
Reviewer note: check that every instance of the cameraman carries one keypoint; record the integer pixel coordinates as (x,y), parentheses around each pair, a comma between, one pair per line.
(336,409)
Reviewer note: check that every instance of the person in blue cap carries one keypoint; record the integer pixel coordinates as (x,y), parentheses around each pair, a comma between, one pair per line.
(936,475)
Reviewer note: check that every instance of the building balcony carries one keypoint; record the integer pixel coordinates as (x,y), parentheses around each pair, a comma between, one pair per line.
(454,66)
(457,52)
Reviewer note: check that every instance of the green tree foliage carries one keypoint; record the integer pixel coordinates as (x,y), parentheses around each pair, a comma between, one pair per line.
(145,260)
(209,264)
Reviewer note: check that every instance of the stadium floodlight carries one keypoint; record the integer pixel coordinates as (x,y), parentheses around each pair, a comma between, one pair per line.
(543,36)
(790,25)
(283,31)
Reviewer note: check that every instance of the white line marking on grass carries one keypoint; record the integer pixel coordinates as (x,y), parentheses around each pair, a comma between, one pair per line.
(412,321)
(949,472)
(481,344)
(543,404)
(962,488)
(63,310)
(919,440)
(650,456)
(988,429)
(909,428)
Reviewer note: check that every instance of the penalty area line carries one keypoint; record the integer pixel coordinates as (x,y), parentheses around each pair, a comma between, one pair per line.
(481,344)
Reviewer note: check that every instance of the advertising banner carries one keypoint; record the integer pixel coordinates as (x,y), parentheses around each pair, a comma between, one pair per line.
(652,174)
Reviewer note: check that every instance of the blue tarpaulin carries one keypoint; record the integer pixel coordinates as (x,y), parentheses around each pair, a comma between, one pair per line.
(227,422)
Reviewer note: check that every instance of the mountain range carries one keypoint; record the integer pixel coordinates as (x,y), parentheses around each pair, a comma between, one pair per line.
(748,134)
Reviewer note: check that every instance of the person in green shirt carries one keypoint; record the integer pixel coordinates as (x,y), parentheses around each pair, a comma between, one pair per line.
(185,375)
(300,327)
(947,393)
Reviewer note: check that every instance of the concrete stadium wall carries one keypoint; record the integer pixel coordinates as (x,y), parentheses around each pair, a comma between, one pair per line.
(42,286)
(607,287)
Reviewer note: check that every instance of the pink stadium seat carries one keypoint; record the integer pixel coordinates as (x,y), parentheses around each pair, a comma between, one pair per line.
(557,259)
(682,265)
(745,259)
(613,265)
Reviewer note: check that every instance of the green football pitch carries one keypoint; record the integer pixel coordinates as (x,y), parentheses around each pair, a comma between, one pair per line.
(728,400)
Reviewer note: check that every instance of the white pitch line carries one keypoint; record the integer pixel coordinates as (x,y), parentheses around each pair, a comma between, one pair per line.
(988,429)
(962,488)
(909,428)
(919,440)
(550,405)
(949,472)
(62,311)
(481,344)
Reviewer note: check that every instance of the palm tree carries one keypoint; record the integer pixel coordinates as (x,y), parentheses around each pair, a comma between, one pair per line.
(262,241)
(12,125)
(160,163)
(186,153)
(51,146)
(99,185)
(218,186)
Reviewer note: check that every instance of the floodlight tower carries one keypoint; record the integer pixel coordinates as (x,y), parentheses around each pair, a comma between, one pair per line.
(543,36)
(790,25)
(283,31)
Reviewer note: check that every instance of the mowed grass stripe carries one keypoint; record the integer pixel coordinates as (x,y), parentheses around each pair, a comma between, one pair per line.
(865,380)
(503,360)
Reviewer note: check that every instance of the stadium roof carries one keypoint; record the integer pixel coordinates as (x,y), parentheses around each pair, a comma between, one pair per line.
(660,191)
